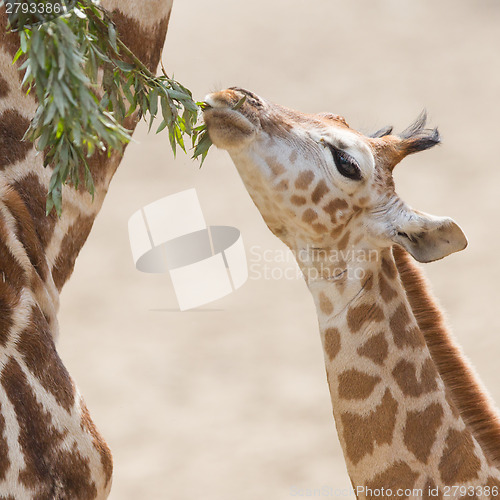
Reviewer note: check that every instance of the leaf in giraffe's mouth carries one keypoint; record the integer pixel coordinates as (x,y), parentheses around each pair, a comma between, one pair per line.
(239,103)
(201,138)
(204,105)
(201,141)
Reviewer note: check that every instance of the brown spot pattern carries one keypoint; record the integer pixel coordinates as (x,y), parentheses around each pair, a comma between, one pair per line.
(4,87)
(333,207)
(54,472)
(404,336)
(405,374)
(8,300)
(298,200)
(389,268)
(344,241)
(319,228)
(464,393)
(368,284)
(335,233)
(319,191)
(276,167)
(145,43)
(13,125)
(9,41)
(398,476)
(282,186)
(4,448)
(15,275)
(309,215)
(420,430)
(12,280)
(70,247)
(386,291)
(376,349)
(332,342)
(26,234)
(325,304)
(361,433)
(36,345)
(99,443)
(360,315)
(451,403)
(354,384)
(304,179)
(459,463)
(100,166)
(34,195)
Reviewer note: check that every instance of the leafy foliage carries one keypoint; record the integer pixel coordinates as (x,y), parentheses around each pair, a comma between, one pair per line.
(66,62)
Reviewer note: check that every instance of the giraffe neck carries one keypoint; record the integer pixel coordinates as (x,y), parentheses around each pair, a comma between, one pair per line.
(59,240)
(49,446)
(396,421)
(468,394)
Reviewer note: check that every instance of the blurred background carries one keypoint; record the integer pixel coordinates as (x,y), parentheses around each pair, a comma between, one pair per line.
(230,401)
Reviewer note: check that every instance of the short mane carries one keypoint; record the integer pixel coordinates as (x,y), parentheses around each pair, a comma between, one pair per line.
(471,399)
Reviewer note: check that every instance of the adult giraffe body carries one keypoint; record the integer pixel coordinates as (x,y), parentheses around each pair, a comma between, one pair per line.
(412,420)
(49,446)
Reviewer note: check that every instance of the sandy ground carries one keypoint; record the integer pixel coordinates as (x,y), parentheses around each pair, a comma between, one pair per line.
(230,401)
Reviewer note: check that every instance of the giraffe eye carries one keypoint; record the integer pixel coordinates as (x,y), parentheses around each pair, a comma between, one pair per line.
(345,164)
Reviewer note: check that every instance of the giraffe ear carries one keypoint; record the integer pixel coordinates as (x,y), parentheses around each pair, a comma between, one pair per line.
(428,238)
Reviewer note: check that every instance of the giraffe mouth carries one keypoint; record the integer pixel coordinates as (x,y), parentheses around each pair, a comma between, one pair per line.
(230,124)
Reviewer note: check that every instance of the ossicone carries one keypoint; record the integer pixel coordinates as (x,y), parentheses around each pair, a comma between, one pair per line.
(417,137)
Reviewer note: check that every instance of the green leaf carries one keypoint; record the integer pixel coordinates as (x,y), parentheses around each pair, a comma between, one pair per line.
(202,147)
(50,112)
(163,126)
(153,102)
(59,98)
(239,103)
(44,139)
(166,110)
(125,66)
(129,96)
(19,53)
(178,138)
(24,41)
(112,36)
(74,118)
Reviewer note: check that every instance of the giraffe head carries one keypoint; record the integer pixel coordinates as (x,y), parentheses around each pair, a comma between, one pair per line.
(319,183)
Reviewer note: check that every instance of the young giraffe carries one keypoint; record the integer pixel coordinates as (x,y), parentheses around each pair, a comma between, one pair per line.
(409,412)
(49,446)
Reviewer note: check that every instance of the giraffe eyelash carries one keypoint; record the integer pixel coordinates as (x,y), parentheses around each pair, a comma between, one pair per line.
(345,163)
